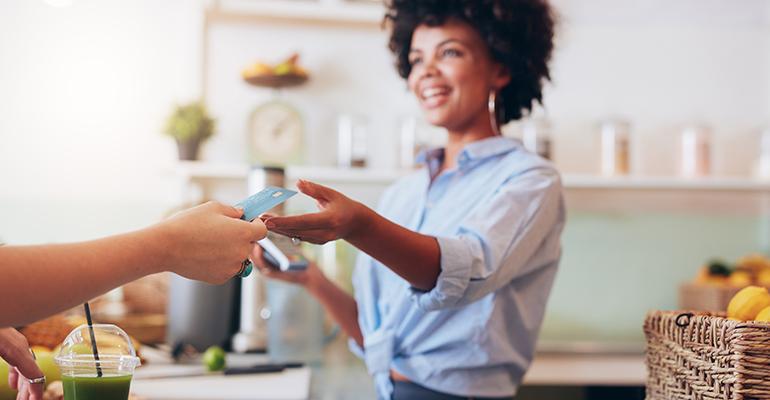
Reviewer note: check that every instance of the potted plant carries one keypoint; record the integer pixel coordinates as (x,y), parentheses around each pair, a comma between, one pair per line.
(190,125)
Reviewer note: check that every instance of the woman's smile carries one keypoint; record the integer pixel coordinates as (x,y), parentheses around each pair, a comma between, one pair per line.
(434,96)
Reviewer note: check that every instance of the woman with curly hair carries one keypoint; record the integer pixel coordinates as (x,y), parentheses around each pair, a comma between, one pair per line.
(457,264)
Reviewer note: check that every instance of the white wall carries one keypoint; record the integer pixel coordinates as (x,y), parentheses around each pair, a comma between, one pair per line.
(83,94)
(84,91)
(661,65)
(351,71)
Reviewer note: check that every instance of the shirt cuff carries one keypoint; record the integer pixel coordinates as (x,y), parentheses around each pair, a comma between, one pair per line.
(355,348)
(453,279)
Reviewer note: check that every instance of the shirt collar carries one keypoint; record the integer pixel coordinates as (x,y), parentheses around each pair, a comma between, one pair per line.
(474,151)
(485,148)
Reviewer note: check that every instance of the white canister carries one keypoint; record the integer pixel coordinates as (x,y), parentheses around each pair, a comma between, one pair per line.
(615,148)
(695,160)
(352,138)
(762,165)
(536,137)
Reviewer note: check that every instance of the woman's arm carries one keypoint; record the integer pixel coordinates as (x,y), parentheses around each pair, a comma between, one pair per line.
(336,301)
(342,218)
(491,246)
(205,243)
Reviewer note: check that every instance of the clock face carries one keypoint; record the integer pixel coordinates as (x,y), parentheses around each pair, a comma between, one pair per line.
(275,134)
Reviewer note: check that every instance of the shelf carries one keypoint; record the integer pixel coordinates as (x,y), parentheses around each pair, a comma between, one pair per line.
(665,183)
(339,12)
(200,170)
(345,175)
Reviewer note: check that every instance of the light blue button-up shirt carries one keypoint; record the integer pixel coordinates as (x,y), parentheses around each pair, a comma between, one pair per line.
(497,218)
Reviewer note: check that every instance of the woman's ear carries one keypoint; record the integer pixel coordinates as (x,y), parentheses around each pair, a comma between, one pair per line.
(501,76)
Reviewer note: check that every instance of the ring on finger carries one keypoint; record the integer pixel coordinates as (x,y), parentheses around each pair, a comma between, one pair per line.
(35,381)
(246,267)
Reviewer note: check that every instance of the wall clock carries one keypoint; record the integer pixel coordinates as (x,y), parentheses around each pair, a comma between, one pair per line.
(276,134)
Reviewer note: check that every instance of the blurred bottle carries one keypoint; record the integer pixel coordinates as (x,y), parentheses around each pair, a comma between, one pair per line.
(417,136)
(615,148)
(695,160)
(352,141)
(762,165)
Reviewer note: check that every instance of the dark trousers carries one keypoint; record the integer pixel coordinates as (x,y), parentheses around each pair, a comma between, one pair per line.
(413,391)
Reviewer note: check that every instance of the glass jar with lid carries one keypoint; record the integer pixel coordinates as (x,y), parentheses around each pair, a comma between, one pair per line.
(615,147)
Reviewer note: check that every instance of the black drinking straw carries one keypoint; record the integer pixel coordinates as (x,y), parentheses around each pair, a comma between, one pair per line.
(93,339)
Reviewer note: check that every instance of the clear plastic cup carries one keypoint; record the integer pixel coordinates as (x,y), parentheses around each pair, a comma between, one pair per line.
(86,378)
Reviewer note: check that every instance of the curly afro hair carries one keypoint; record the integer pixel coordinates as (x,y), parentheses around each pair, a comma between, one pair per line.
(519,34)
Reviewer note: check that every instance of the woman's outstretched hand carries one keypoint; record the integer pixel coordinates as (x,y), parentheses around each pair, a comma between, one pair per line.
(339,217)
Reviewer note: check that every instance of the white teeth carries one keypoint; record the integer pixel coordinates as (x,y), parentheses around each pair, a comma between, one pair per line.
(430,92)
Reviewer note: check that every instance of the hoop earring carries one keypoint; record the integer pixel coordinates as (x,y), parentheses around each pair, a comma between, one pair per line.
(492,106)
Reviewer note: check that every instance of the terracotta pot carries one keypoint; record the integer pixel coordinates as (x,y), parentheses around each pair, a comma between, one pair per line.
(188,149)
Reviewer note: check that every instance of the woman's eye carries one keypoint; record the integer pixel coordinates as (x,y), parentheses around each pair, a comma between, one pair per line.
(414,61)
(451,53)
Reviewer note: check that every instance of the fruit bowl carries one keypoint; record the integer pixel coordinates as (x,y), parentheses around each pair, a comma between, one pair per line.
(276,81)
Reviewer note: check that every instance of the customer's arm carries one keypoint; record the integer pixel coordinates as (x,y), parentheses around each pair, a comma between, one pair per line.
(206,243)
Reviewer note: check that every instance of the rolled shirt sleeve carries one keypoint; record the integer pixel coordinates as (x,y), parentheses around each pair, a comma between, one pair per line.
(498,241)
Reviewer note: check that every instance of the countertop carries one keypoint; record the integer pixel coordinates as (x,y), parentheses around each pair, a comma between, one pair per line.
(341,376)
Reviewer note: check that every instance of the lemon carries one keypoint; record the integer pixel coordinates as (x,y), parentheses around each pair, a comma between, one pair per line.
(740,278)
(764,315)
(763,277)
(214,358)
(5,391)
(748,302)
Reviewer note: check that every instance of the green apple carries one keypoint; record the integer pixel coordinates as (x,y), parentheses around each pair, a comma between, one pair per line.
(214,358)
(47,365)
(44,361)
(5,391)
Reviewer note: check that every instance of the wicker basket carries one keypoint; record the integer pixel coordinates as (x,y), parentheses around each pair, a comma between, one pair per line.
(706,356)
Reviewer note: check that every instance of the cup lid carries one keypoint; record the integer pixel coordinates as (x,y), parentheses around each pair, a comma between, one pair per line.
(113,344)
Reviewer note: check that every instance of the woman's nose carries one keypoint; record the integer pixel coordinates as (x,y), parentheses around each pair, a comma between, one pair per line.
(429,69)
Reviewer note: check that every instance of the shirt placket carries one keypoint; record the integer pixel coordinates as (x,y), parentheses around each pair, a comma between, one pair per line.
(435,192)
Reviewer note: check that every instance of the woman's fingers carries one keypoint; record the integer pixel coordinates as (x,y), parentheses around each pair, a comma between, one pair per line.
(13,379)
(315,236)
(36,391)
(272,273)
(264,217)
(316,191)
(302,222)
(23,392)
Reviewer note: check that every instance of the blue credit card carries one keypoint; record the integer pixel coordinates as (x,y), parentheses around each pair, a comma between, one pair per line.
(264,200)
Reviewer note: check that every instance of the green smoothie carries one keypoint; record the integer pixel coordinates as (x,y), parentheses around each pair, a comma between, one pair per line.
(93,388)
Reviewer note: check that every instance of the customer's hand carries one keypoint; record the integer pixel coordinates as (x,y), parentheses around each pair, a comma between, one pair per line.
(310,278)
(209,242)
(339,217)
(14,349)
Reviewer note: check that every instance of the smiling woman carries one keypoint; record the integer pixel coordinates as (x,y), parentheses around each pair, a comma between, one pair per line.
(457,263)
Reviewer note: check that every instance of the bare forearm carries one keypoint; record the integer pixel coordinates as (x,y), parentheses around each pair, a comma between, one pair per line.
(38,281)
(413,256)
(340,305)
